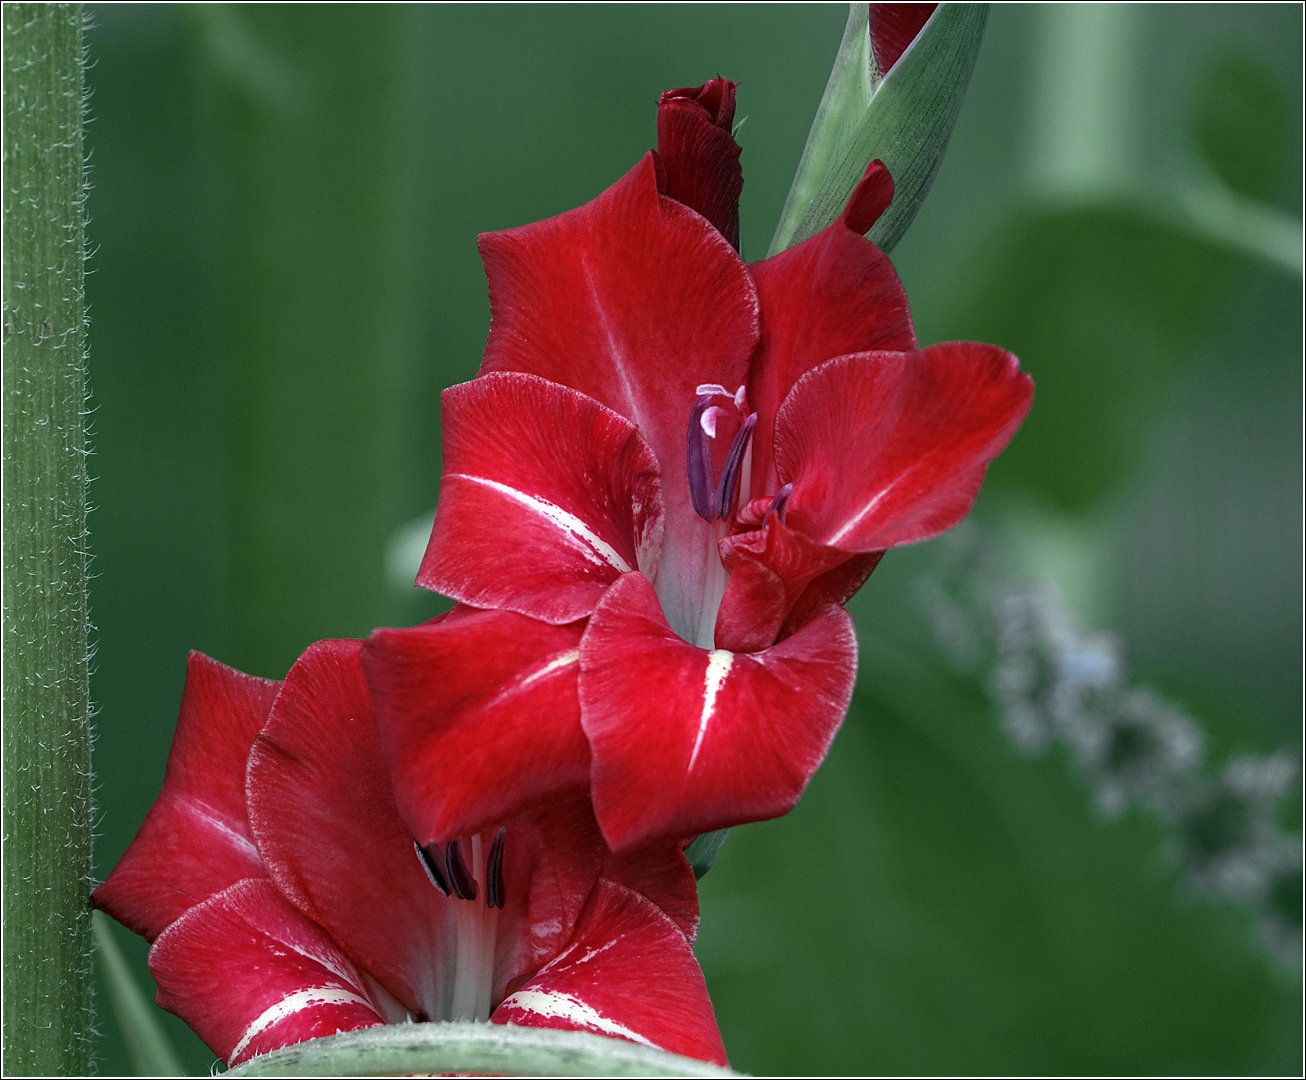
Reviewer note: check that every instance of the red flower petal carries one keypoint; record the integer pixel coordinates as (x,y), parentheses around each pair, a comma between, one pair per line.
(870,199)
(552,860)
(627,973)
(890,448)
(893,28)
(699,153)
(685,740)
(195,840)
(662,875)
(250,974)
(835,293)
(547,497)
(320,804)
(630,299)
(836,586)
(770,567)
(452,701)
(634,301)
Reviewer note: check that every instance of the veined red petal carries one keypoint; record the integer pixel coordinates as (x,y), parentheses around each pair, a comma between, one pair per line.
(479,719)
(835,293)
(684,740)
(889,448)
(547,497)
(321,807)
(195,840)
(630,299)
(251,974)
(635,301)
(770,567)
(893,28)
(699,153)
(552,860)
(627,973)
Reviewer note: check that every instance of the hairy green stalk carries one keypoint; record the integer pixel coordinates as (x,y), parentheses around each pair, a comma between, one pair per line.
(47,749)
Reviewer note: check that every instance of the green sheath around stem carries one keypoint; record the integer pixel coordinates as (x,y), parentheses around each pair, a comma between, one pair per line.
(47,752)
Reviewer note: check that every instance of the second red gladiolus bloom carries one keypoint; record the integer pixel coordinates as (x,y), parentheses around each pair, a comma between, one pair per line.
(672,471)
(285,897)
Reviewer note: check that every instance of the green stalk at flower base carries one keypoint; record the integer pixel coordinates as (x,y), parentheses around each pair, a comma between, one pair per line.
(484,1049)
(47,760)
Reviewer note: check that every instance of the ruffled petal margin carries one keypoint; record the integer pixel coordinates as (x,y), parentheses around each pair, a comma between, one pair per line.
(627,973)
(249,973)
(684,740)
(888,448)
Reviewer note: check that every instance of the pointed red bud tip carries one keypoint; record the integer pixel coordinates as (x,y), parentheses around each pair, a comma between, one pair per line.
(893,28)
(699,157)
(716,97)
(870,198)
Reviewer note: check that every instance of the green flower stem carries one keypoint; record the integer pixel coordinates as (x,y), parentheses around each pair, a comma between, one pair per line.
(47,750)
(484,1049)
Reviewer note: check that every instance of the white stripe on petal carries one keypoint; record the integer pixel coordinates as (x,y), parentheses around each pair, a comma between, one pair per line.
(864,512)
(718,667)
(213,819)
(561,660)
(592,546)
(553,1004)
(294,1003)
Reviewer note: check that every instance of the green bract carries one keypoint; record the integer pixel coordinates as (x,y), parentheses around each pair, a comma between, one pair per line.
(904,119)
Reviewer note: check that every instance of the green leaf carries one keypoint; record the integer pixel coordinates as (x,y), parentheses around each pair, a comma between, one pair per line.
(905,120)
(138,1018)
(1242,126)
(47,746)
(483,1049)
(1105,307)
(705,850)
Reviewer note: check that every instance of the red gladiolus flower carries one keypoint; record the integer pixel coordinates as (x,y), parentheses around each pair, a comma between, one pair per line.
(666,627)
(286,899)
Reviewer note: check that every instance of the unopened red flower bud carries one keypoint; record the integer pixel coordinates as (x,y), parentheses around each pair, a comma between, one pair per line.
(698,155)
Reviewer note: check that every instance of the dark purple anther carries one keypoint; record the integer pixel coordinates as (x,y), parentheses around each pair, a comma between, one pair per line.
(455,868)
(431,864)
(494,870)
(780,501)
(699,453)
(728,491)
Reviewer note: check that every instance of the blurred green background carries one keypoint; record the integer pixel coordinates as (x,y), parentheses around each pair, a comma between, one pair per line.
(284,211)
